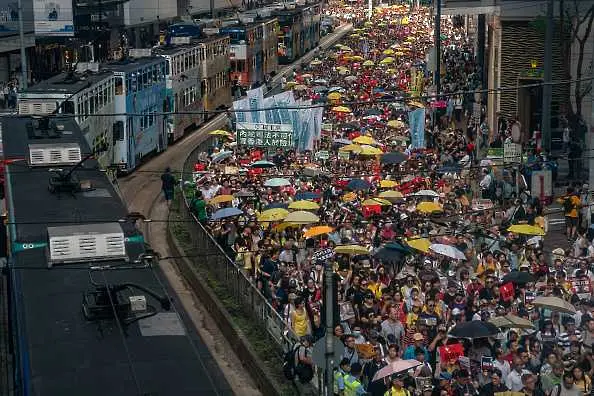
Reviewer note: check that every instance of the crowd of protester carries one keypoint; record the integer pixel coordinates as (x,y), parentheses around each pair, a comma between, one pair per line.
(429,243)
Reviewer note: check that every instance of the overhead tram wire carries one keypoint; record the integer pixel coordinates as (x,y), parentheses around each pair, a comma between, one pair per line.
(123,338)
(324,105)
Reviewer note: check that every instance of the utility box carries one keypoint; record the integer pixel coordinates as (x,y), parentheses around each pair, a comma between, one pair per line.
(137,303)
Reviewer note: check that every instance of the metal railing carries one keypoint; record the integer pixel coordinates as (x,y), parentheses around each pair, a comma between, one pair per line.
(224,269)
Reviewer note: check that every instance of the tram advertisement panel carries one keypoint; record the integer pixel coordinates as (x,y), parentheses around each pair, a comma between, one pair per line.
(265,135)
(53,17)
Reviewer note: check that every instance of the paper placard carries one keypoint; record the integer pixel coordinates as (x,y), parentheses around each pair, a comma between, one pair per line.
(486,363)
(507,292)
(450,352)
(366,351)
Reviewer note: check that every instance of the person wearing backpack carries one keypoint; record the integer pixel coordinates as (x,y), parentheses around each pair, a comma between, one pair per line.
(571,205)
(298,365)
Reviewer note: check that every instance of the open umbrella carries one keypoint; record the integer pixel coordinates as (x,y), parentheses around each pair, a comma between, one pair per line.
(277,182)
(391,195)
(262,164)
(526,229)
(448,251)
(334,95)
(474,329)
(304,205)
(364,140)
(429,207)
(302,217)
(341,109)
(375,202)
(425,193)
(358,184)
(350,78)
(226,212)
(220,132)
(388,184)
(351,249)
(396,124)
(368,63)
(395,367)
(395,157)
(220,199)
(276,214)
(554,304)
(510,321)
(342,141)
(307,195)
(420,244)
(355,148)
(519,277)
(373,111)
(370,150)
(398,246)
(319,230)
(220,156)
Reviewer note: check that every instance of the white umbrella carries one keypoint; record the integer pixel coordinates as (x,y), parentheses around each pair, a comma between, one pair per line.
(426,193)
(448,251)
(554,304)
(395,367)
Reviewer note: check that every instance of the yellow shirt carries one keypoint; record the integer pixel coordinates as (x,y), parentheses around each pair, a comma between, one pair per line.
(575,201)
(300,323)
(396,392)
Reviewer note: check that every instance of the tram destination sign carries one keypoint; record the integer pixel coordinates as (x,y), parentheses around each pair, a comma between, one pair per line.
(265,135)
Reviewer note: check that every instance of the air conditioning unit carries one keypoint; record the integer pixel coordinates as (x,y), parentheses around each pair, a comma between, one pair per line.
(140,52)
(85,242)
(52,154)
(36,108)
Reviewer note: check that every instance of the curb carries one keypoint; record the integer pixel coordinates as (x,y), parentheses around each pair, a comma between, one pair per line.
(232,334)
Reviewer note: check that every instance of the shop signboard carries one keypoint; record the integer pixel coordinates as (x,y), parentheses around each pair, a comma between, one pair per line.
(53,17)
(265,135)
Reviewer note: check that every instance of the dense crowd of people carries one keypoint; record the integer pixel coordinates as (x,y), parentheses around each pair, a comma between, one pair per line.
(443,283)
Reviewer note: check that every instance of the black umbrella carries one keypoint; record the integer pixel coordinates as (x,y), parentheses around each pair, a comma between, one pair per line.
(395,157)
(474,329)
(519,277)
(388,255)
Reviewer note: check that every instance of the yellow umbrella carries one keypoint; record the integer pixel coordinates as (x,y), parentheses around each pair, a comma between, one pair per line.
(388,184)
(387,61)
(392,196)
(283,226)
(315,62)
(421,244)
(334,95)
(364,140)
(388,51)
(349,197)
(351,147)
(291,84)
(526,229)
(351,249)
(220,132)
(276,214)
(341,109)
(376,201)
(429,207)
(307,75)
(342,72)
(395,124)
(299,87)
(302,217)
(416,104)
(369,150)
(220,199)
(346,48)
(368,63)
(357,58)
(319,230)
(304,205)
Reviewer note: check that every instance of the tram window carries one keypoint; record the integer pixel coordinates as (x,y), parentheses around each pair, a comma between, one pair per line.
(119,86)
(168,67)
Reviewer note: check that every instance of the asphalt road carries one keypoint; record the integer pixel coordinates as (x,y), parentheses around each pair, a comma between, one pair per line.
(142,192)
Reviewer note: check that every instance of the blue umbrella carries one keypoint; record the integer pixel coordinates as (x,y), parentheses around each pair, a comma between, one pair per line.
(306,196)
(218,157)
(226,212)
(358,184)
(336,89)
(263,164)
(397,246)
(275,205)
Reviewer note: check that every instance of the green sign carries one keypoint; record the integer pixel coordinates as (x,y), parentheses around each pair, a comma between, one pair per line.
(20,247)
(495,153)
(135,238)
(345,155)
(323,155)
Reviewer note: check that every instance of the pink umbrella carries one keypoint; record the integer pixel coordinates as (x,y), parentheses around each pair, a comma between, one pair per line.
(395,367)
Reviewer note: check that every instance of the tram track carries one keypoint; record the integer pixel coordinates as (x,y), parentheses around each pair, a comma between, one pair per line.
(141,191)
